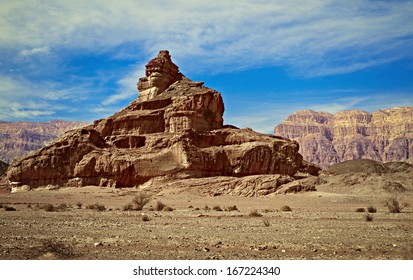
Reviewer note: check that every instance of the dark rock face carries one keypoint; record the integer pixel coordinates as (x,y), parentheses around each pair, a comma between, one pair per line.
(326,139)
(175,129)
(3,167)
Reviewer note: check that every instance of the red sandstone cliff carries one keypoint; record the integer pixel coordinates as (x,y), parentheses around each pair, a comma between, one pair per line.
(326,139)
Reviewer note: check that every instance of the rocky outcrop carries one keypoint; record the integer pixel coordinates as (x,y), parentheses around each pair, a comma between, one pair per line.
(173,130)
(19,138)
(326,139)
(3,167)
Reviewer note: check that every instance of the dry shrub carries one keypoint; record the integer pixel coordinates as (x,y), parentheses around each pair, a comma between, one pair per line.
(361,209)
(140,200)
(255,213)
(368,218)
(206,208)
(145,218)
(9,208)
(58,248)
(286,208)
(217,208)
(395,205)
(266,223)
(128,207)
(371,209)
(159,206)
(232,208)
(79,205)
(97,207)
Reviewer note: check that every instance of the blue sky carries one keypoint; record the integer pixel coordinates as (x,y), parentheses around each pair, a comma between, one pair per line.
(81,61)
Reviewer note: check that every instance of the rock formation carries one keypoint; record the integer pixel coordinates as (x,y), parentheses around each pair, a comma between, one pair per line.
(19,138)
(173,130)
(326,139)
(3,167)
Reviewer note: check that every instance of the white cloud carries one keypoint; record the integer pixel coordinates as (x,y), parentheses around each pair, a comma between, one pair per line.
(127,86)
(323,37)
(34,51)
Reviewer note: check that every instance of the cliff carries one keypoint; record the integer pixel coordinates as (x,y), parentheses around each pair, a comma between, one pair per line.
(326,139)
(19,138)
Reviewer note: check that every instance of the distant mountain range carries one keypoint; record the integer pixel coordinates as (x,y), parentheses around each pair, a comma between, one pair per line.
(326,139)
(19,138)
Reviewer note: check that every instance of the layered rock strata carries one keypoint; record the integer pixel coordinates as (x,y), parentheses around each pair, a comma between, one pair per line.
(19,138)
(326,139)
(174,130)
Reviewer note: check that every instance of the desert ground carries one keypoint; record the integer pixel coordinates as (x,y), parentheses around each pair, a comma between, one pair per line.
(323,224)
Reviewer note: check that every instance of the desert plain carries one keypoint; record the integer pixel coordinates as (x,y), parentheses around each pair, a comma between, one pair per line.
(322,224)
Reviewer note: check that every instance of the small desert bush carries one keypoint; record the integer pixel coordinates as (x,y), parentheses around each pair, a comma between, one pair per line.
(140,200)
(58,248)
(286,208)
(395,205)
(97,206)
(127,207)
(371,209)
(79,205)
(217,208)
(9,208)
(1,205)
(159,206)
(360,209)
(206,208)
(145,218)
(368,218)
(255,213)
(48,207)
(232,208)
(266,223)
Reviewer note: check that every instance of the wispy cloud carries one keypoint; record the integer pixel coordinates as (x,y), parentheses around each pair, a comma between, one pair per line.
(322,37)
(127,86)
(34,51)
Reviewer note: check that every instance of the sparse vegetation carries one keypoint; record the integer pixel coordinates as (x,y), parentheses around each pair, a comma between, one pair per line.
(206,208)
(58,248)
(266,223)
(394,204)
(217,208)
(97,206)
(79,205)
(48,207)
(128,207)
(255,213)
(286,208)
(371,209)
(145,218)
(159,206)
(9,208)
(360,209)
(368,218)
(140,200)
(232,208)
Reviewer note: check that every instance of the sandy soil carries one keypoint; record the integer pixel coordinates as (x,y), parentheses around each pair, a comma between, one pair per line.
(321,225)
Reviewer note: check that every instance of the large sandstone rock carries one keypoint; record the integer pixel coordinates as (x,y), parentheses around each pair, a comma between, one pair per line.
(174,130)
(19,138)
(326,139)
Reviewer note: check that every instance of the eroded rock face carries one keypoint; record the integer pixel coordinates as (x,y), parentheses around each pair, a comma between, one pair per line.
(174,130)
(19,138)
(326,139)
